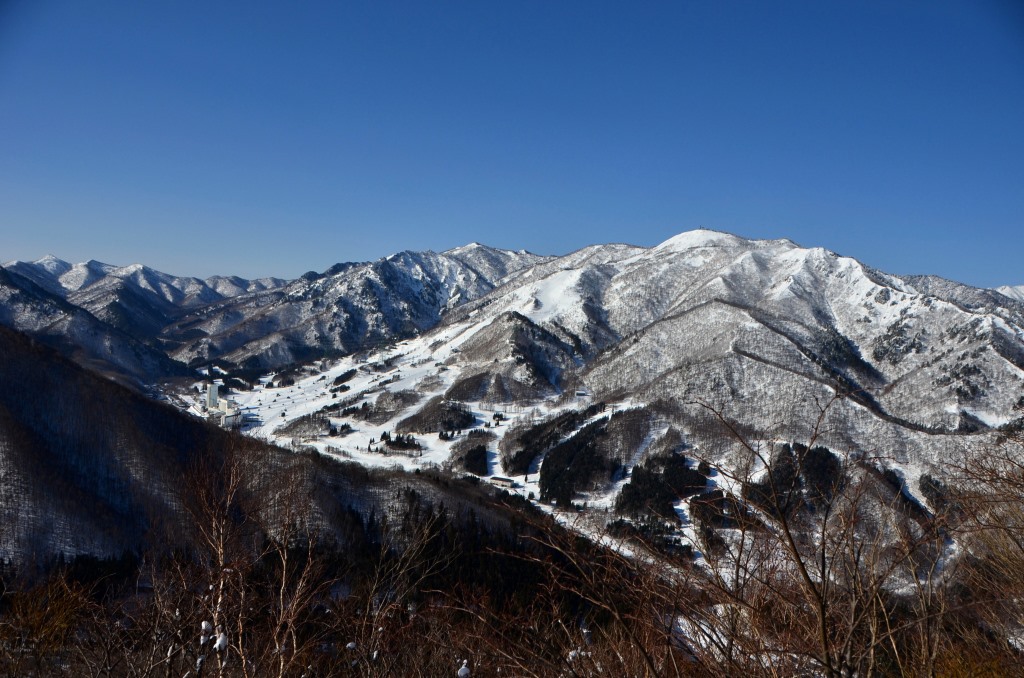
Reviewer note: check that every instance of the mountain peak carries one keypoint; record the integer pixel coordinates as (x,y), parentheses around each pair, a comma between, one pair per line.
(133,268)
(52,264)
(701,237)
(1012,291)
(97,267)
(469,247)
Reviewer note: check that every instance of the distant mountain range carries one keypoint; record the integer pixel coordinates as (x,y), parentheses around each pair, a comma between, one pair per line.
(270,322)
(135,318)
(705,314)
(763,332)
(715,431)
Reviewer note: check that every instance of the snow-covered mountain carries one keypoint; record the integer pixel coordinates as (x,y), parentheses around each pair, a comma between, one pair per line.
(712,316)
(63,278)
(766,333)
(763,333)
(135,298)
(1012,291)
(27,307)
(344,309)
(262,323)
(763,328)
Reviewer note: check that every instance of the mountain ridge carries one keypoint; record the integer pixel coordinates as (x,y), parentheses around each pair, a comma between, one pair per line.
(841,320)
(765,332)
(655,342)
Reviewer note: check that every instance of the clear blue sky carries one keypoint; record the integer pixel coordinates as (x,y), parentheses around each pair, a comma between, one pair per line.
(271,138)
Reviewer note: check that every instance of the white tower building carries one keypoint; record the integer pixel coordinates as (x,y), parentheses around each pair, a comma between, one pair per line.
(212,395)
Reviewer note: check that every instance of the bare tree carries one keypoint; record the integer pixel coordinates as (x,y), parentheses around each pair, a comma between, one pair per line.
(986,497)
(38,626)
(804,574)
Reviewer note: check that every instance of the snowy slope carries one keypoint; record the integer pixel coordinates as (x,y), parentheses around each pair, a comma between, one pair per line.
(29,308)
(62,278)
(766,330)
(725,318)
(345,309)
(136,299)
(1012,291)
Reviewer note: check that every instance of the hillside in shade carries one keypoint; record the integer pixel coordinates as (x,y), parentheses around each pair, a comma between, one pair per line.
(88,466)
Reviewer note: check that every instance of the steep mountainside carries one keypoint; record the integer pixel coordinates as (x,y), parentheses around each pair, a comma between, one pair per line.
(256,323)
(136,298)
(90,467)
(76,333)
(910,371)
(711,316)
(1012,291)
(86,464)
(345,309)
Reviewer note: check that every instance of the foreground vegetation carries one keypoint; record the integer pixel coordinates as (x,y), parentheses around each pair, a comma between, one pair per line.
(812,572)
